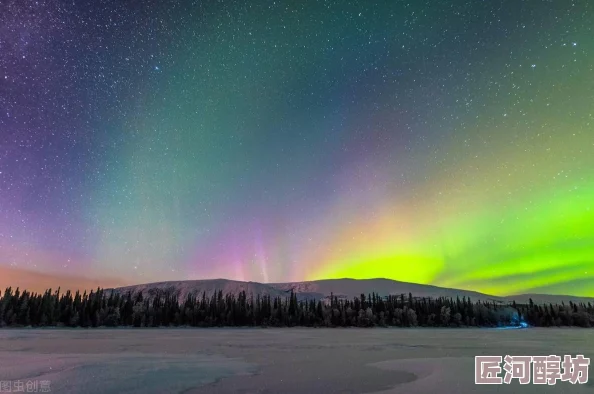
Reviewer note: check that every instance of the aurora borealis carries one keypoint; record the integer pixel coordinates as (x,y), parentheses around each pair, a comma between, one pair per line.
(447,143)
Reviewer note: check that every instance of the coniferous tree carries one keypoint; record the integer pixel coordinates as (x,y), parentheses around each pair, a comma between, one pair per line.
(111,309)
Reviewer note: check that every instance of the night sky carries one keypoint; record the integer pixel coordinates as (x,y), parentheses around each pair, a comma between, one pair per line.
(440,142)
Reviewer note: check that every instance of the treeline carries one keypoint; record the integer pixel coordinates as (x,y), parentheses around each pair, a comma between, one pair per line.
(101,308)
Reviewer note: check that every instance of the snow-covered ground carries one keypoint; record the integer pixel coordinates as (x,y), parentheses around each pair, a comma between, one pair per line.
(271,361)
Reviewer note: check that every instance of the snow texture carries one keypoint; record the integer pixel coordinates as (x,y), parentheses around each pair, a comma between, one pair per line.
(341,288)
(269,361)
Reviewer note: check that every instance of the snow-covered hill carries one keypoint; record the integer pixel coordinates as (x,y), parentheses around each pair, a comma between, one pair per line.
(321,290)
(350,288)
(198,287)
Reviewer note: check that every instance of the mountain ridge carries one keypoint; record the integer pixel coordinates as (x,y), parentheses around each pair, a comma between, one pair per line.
(344,288)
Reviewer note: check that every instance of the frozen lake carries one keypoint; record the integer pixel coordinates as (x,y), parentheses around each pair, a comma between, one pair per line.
(288,360)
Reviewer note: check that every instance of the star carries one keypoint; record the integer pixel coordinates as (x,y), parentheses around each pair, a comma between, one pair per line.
(313,141)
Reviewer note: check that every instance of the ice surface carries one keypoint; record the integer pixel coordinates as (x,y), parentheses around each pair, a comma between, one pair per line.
(293,361)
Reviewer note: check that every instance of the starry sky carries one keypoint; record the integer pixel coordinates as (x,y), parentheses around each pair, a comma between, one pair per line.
(447,143)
